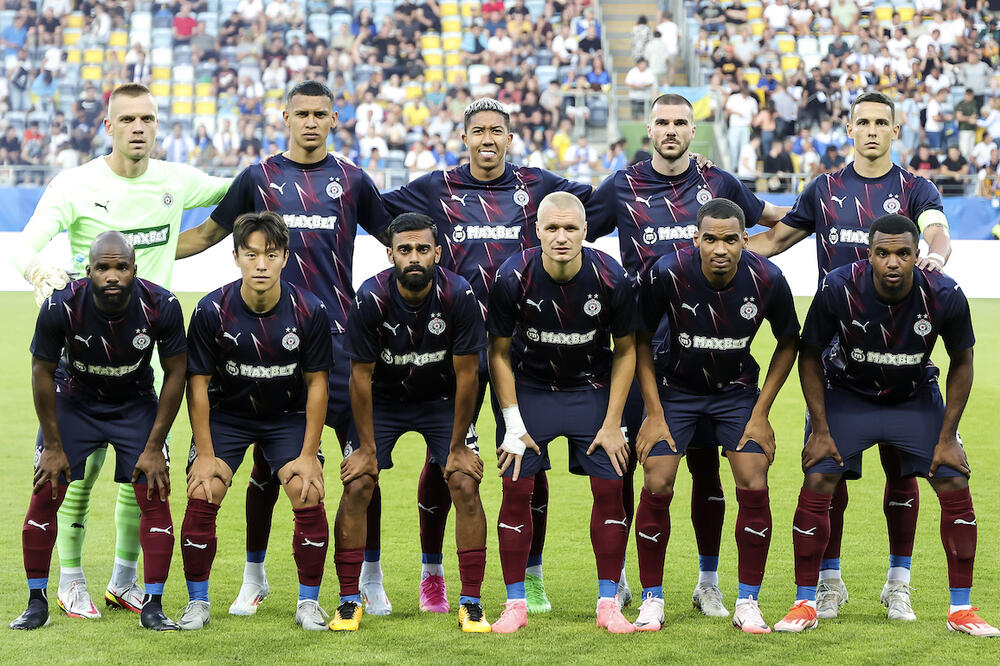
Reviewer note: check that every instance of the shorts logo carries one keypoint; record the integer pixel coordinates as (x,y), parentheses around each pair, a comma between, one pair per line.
(348,449)
(387,356)
(38,457)
(192,452)
(834,236)
(922,326)
(684,339)
(141,340)
(891,205)
(593,306)
(168,200)
(291,340)
(532,334)
(521,198)
(749,309)
(458,234)
(334,189)
(436,325)
(703,196)
(232,368)
(649,235)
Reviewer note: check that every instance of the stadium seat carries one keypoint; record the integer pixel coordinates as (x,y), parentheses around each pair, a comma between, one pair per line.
(91,73)
(434,57)
(118,39)
(363,4)
(141,20)
(74,20)
(73,55)
(18,120)
(227,7)
(451,41)
(823,44)
(430,41)
(204,89)
(790,62)
(786,43)
(182,55)
(754,10)
(292,35)
(183,73)
(451,25)
(757,27)
(453,76)
(536,8)
(752,76)
(205,106)
(883,13)
(162,38)
(811,61)
(451,59)
(807,45)
(476,73)
(161,73)
(160,89)
(433,74)
(449,8)
(414,90)
(183,90)
(394,159)
(162,56)
(470,9)
(182,107)
(207,120)
(337,19)
(93,56)
(71,36)
(211,21)
(544,74)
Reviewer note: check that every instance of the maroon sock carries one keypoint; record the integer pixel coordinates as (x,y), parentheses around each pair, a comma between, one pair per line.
(348,562)
(373,535)
(652,531)
(838,504)
(198,540)
(628,498)
(810,531)
(900,503)
(471,569)
(539,514)
(514,527)
(608,527)
(958,535)
(262,493)
(433,505)
(156,535)
(309,543)
(38,535)
(708,503)
(753,534)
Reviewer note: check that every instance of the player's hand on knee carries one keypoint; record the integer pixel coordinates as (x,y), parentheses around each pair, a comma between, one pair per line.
(818,448)
(153,464)
(203,471)
(949,452)
(610,439)
(360,462)
(759,430)
(45,279)
(512,450)
(310,473)
(464,460)
(653,429)
(51,464)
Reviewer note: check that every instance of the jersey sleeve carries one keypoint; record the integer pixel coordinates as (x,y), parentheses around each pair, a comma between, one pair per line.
(200,189)
(238,200)
(50,332)
(170,339)
(737,192)
(470,329)
(926,199)
(957,328)
(316,345)
(500,318)
(202,350)
(411,198)
(53,213)
(803,212)
(653,299)
(781,309)
(372,215)
(821,324)
(361,340)
(625,308)
(602,210)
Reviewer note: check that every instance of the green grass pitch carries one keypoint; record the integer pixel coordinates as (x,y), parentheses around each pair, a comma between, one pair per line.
(860,635)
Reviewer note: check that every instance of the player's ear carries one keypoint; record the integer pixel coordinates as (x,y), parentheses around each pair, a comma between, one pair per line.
(746,239)
(437,253)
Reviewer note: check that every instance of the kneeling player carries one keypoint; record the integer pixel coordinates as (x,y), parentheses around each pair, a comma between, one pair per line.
(707,303)
(553,311)
(260,356)
(877,384)
(101,391)
(414,337)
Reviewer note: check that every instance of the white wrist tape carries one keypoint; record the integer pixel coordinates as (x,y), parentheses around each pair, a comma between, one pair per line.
(934,256)
(514,426)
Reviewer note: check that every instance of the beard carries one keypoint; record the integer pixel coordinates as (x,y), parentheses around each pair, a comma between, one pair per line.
(413,278)
(675,153)
(113,301)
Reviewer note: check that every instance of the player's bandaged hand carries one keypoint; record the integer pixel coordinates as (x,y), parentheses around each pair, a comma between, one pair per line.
(515,442)
(45,278)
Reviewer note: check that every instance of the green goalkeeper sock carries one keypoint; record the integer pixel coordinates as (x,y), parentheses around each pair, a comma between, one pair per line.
(127,544)
(72,517)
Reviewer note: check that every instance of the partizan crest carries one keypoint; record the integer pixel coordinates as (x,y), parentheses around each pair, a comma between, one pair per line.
(593,306)
(141,339)
(436,325)
(749,308)
(334,189)
(922,326)
(291,340)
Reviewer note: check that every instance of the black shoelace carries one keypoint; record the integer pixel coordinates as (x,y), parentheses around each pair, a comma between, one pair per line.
(475,612)
(346,610)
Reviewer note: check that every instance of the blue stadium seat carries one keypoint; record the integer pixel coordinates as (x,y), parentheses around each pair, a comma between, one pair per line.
(363,4)
(337,19)
(211,21)
(292,34)
(162,38)
(544,74)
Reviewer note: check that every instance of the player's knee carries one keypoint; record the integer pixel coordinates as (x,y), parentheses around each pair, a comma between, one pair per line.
(658,484)
(824,484)
(464,489)
(359,491)
(945,484)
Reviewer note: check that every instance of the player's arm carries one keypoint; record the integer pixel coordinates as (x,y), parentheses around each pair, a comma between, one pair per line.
(152,461)
(934,228)
(820,444)
(958,386)
(53,213)
(777,239)
(361,461)
(53,461)
(200,238)
(772,214)
(758,427)
(460,457)
(206,467)
(654,427)
(516,438)
(610,436)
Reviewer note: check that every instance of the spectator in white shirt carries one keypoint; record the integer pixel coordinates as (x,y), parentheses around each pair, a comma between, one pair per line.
(640,82)
(740,109)
(777,14)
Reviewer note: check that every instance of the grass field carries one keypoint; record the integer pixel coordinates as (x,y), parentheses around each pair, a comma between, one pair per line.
(860,635)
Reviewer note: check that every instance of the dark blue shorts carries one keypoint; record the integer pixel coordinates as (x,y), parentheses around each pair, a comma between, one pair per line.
(856,423)
(722,415)
(279,438)
(338,407)
(434,420)
(575,415)
(84,428)
(635,412)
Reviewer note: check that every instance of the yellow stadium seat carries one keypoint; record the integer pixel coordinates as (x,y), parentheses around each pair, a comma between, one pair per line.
(786,43)
(73,55)
(883,13)
(451,42)
(754,11)
(203,90)
(182,107)
(93,56)
(470,10)
(160,89)
(91,73)
(183,90)
(454,75)
(790,62)
(74,20)
(119,38)
(205,107)
(161,73)
(452,59)
(757,27)
(449,8)
(451,25)
(433,74)
(752,77)
(434,58)
(778,76)
(414,90)
(906,12)
(430,41)
(274,93)
(71,36)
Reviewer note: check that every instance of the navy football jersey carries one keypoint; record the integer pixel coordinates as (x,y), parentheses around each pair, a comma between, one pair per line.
(107,357)
(707,332)
(656,214)
(480,224)
(841,206)
(562,330)
(412,345)
(883,351)
(256,360)
(322,204)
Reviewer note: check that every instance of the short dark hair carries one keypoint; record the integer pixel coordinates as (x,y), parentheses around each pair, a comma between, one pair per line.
(129,90)
(309,89)
(878,98)
(721,209)
(670,99)
(894,224)
(268,223)
(486,104)
(412,222)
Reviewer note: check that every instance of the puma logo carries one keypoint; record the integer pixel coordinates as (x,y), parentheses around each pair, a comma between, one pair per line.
(655,538)
(810,532)
(535,304)
(77,526)
(428,509)
(839,200)
(280,188)
(85,341)
(639,199)
(863,327)
(908,503)
(199,546)
(693,309)
(615,522)
(234,338)
(539,509)
(103,205)
(161,530)
(391,328)
(762,534)
(958,521)
(307,542)
(510,527)
(257,484)
(714,498)
(43,526)
(460,199)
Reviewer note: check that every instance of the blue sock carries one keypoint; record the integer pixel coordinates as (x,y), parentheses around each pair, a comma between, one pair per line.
(468,600)
(516,591)
(256,556)
(747,591)
(832,563)
(534,560)
(607,588)
(373,555)
(308,592)
(657,592)
(708,563)
(807,593)
(900,561)
(38,583)
(430,558)
(154,588)
(197,590)
(960,596)
(356,598)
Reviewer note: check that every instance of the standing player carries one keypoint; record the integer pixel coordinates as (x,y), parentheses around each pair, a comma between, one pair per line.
(485,212)
(144,199)
(270,387)
(93,384)
(704,306)
(876,383)
(553,312)
(414,335)
(653,204)
(322,198)
(840,208)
